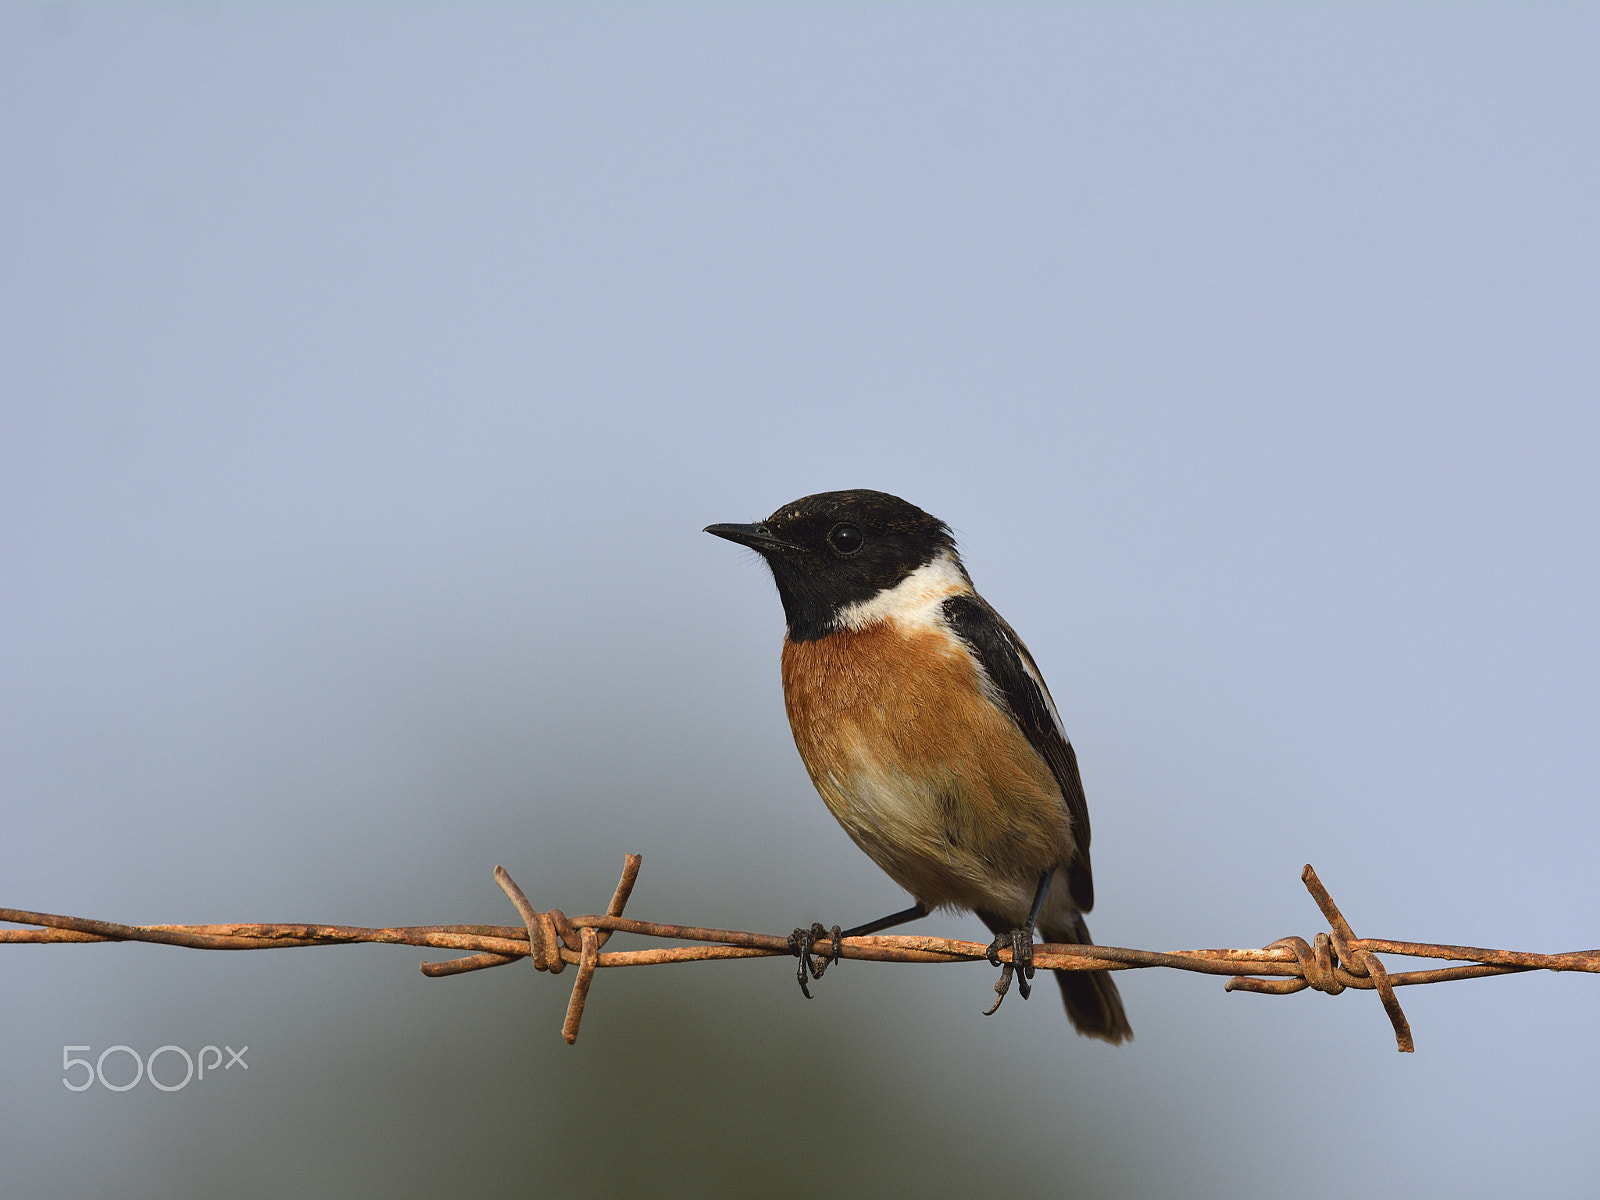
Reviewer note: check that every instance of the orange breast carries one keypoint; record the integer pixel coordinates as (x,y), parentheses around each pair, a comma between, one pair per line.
(938,786)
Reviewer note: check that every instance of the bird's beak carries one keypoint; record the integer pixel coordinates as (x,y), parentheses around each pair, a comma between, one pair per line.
(754,536)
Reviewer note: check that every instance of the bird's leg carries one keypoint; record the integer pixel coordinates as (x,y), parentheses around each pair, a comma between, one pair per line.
(802,942)
(900,918)
(1020,943)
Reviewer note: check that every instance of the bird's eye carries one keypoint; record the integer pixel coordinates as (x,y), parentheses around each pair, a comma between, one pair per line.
(845,540)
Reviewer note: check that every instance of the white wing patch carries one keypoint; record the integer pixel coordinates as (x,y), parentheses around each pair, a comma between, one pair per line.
(1026,660)
(915,600)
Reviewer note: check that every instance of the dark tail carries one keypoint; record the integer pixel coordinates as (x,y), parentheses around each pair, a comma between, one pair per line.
(1093,1004)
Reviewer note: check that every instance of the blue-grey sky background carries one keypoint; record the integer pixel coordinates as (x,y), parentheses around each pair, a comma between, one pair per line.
(370,371)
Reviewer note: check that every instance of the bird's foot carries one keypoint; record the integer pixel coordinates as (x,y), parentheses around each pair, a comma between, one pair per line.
(803,943)
(1020,943)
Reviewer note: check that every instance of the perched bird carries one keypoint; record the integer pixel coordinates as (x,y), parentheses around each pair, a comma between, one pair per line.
(930,734)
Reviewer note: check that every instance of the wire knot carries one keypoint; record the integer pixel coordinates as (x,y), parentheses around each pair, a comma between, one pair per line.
(551,932)
(1334,962)
(554,931)
(1319,962)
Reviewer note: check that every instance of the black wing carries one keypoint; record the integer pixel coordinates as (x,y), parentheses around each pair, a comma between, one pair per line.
(1020,685)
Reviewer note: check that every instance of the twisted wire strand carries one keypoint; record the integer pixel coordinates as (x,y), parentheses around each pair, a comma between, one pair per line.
(1332,962)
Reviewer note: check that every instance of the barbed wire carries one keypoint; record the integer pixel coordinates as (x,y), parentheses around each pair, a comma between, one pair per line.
(1329,963)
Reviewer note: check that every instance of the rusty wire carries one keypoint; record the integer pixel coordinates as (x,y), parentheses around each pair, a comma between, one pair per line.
(1330,963)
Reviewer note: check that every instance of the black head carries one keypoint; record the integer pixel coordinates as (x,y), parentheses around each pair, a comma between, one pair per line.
(835,549)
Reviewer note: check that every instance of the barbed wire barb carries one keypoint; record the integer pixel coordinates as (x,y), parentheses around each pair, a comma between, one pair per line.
(1330,963)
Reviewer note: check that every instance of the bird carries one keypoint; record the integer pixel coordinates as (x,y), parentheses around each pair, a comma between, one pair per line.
(928,730)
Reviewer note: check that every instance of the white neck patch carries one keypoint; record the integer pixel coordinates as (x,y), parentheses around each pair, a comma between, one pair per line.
(915,600)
